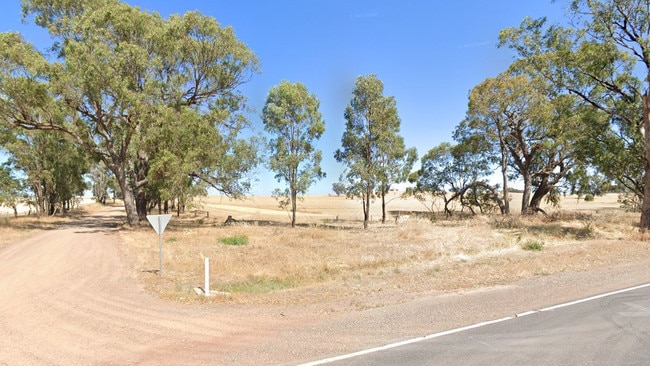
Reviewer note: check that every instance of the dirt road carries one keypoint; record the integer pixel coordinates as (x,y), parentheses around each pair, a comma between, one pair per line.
(67,296)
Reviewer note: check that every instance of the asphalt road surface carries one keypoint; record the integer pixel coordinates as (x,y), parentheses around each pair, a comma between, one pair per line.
(610,330)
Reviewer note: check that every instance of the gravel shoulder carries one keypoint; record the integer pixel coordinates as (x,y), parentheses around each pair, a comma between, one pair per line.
(70,297)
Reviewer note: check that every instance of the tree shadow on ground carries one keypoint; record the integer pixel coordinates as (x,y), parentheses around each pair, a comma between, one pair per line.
(186,222)
(75,218)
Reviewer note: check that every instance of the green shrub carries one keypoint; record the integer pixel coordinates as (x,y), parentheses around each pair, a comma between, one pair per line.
(589,197)
(533,245)
(235,240)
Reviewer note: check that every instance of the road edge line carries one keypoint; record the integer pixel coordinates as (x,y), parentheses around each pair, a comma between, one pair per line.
(468,327)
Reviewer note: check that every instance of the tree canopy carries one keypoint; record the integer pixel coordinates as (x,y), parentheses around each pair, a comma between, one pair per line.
(527,129)
(120,75)
(372,149)
(292,119)
(603,59)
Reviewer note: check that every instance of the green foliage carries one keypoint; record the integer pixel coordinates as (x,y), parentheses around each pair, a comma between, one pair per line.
(11,194)
(533,245)
(52,165)
(292,119)
(603,62)
(553,198)
(517,122)
(103,184)
(236,240)
(372,149)
(455,173)
(338,188)
(584,182)
(589,197)
(138,92)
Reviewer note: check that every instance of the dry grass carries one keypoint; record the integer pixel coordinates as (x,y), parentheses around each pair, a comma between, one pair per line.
(330,257)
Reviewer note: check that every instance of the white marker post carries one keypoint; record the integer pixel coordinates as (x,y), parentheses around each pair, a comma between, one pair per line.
(159,222)
(207,276)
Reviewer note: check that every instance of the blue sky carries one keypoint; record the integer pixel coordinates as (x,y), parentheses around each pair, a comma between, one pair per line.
(428,53)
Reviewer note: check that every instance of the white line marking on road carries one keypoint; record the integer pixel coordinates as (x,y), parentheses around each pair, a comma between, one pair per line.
(595,297)
(462,329)
(403,343)
(526,313)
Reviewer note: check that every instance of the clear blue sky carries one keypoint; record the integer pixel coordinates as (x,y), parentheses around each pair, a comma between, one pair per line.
(428,53)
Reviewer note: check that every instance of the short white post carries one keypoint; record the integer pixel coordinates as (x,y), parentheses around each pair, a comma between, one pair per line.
(207,276)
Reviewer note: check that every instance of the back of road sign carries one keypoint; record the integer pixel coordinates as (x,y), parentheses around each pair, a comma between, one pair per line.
(159,222)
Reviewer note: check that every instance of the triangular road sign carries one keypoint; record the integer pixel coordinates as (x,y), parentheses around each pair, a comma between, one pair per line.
(159,222)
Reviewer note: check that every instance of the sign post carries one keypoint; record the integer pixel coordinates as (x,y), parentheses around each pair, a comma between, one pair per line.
(159,222)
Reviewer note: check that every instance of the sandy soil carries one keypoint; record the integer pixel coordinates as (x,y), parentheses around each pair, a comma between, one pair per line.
(68,296)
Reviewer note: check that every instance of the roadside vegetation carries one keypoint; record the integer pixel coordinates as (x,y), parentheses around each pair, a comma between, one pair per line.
(328,259)
(149,111)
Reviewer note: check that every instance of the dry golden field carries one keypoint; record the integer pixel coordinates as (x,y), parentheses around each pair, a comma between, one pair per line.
(261,259)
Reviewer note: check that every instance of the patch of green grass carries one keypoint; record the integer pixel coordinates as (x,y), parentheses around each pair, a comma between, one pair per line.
(235,240)
(172,240)
(533,245)
(260,285)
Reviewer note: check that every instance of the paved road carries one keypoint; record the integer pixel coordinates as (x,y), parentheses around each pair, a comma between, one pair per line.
(612,330)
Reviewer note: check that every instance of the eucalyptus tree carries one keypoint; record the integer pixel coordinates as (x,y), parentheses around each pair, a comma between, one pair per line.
(530,131)
(372,126)
(485,127)
(102,182)
(294,123)
(52,166)
(118,71)
(188,154)
(455,174)
(11,189)
(394,162)
(604,59)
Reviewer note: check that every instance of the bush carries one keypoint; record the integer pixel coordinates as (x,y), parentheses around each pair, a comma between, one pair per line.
(630,202)
(235,240)
(589,197)
(533,245)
